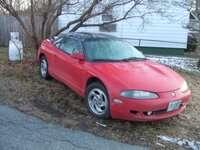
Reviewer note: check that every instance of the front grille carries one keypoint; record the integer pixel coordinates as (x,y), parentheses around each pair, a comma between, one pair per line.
(158,112)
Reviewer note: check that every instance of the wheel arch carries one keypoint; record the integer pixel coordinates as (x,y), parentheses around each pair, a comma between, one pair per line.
(91,80)
(41,54)
(94,79)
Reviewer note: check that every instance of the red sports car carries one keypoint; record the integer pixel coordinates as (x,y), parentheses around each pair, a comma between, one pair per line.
(115,79)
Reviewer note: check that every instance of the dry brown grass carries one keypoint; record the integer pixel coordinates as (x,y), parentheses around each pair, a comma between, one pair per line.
(22,88)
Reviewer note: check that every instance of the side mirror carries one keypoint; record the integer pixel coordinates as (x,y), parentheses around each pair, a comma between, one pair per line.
(78,56)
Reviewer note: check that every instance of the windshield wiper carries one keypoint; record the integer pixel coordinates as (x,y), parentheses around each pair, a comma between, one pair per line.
(105,60)
(133,58)
(120,60)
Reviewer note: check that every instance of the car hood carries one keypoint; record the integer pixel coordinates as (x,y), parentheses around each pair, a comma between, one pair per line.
(138,75)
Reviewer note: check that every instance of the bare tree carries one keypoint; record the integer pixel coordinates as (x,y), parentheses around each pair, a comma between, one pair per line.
(50,10)
(195,24)
(193,6)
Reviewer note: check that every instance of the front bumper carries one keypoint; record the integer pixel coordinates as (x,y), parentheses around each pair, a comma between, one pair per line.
(136,110)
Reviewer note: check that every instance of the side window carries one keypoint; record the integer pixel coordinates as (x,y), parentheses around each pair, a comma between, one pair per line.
(71,45)
(57,42)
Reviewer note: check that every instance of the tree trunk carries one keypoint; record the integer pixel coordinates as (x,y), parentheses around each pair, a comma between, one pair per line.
(35,44)
(47,32)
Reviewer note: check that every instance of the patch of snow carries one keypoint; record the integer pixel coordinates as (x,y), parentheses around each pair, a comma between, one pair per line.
(159,144)
(187,64)
(194,145)
(100,124)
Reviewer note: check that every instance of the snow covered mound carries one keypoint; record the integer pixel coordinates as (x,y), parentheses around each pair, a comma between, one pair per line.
(187,64)
(194,145)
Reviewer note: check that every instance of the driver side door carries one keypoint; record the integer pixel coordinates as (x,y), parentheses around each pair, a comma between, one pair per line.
(70,69)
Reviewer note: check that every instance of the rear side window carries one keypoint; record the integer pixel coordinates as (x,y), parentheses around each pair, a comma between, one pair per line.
(70,46)
(56,41)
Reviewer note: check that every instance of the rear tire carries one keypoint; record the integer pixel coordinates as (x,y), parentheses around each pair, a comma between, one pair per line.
(44,68)
(97,100)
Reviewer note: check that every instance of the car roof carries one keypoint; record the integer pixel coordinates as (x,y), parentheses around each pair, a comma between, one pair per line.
(85,36)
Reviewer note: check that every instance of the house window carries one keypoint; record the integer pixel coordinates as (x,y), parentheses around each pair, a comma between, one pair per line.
(108,28)
(107,17)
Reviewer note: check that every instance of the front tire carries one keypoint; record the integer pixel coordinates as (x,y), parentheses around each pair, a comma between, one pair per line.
(44,68)
(97,100)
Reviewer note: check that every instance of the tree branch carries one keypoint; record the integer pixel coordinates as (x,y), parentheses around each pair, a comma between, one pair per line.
(88,11)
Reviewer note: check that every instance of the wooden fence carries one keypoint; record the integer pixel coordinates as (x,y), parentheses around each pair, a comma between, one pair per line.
(10,24)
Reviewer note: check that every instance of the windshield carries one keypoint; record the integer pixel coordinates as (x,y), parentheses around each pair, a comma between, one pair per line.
(111,50)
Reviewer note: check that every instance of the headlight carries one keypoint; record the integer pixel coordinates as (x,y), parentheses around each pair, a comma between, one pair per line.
(139,94)
(184,87)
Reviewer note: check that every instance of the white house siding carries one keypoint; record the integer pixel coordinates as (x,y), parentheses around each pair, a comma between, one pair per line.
(158,32)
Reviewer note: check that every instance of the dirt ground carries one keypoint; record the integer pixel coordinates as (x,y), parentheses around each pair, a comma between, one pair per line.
(22,88)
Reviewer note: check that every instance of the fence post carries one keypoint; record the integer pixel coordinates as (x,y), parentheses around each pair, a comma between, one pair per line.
(139,42)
